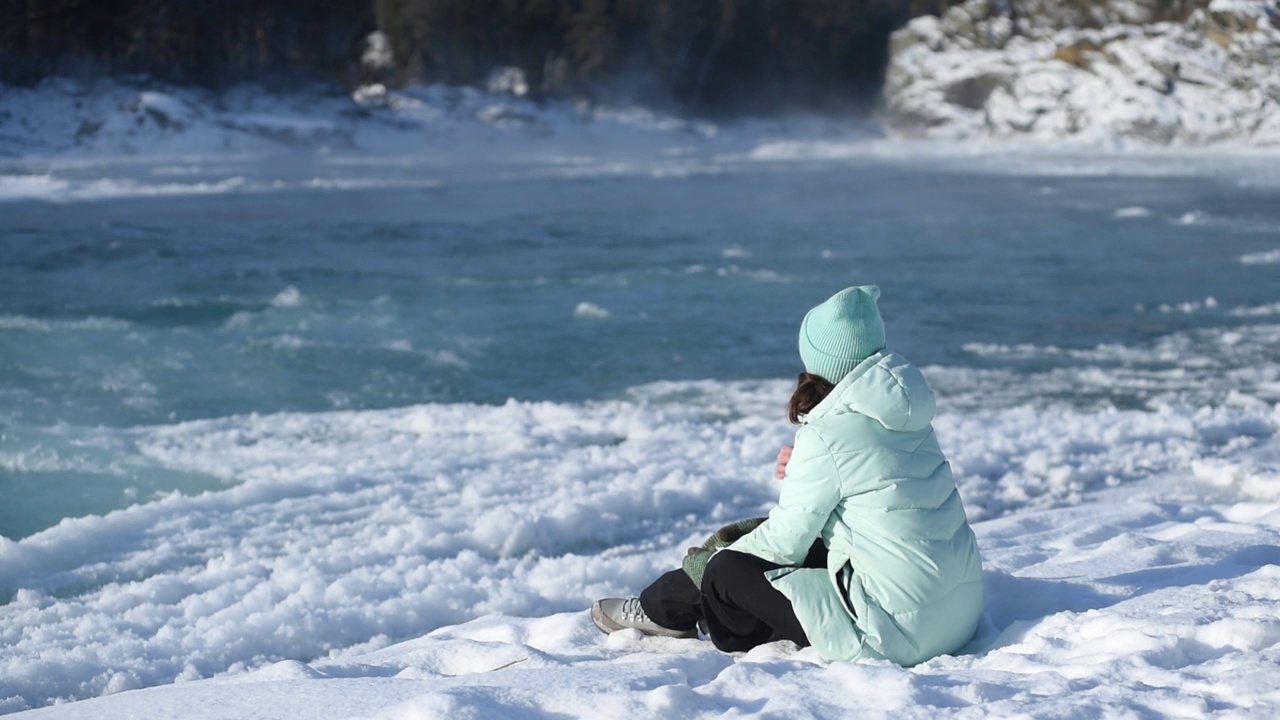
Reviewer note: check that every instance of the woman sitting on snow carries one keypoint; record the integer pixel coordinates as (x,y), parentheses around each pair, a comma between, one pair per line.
(868,553)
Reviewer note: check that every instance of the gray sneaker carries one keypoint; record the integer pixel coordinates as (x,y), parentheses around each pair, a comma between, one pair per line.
(614,614)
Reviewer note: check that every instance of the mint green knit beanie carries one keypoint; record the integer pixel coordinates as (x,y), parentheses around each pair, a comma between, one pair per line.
(842,332)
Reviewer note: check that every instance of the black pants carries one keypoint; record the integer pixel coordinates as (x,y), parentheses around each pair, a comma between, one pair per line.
(739,605)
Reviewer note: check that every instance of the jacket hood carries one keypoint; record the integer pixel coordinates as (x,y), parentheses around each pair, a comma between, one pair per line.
(885,387)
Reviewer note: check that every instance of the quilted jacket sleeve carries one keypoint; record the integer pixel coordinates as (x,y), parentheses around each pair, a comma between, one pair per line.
(810,491)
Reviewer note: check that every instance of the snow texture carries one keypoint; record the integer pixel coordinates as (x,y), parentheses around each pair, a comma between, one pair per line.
(982,71)
(1132,562)
(139,116)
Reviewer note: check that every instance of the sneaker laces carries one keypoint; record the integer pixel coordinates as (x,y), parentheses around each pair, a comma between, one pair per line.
(632,612)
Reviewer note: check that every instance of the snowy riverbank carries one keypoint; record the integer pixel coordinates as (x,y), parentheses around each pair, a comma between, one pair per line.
(67,141)
(142,117)
(1145,584)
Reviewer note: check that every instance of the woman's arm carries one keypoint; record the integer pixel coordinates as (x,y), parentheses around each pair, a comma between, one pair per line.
(810,491)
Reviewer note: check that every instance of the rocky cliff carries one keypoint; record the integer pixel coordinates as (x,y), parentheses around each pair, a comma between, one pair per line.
(990,69)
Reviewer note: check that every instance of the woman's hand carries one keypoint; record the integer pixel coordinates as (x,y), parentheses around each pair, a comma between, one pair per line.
(783,456)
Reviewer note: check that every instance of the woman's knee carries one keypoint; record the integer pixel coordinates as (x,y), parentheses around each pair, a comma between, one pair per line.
(725,566)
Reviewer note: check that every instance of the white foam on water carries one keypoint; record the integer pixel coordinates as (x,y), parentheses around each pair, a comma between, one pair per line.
(1257,310)
(53,189)
(590,311)
(22,322)
(1268,257)
(1243,166)
(290,297)
(1133,211)
(1190,368)
(370,183)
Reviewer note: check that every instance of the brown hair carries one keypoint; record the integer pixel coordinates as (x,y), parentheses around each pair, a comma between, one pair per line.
(810,390)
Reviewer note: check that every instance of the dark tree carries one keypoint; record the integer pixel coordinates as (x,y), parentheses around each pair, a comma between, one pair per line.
(211,42)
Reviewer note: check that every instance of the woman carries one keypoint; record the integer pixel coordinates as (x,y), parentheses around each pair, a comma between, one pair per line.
(868,553)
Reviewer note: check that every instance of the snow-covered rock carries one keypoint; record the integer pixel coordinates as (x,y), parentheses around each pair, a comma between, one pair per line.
(990,68)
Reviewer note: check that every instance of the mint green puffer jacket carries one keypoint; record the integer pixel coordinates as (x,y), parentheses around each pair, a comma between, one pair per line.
(903,580)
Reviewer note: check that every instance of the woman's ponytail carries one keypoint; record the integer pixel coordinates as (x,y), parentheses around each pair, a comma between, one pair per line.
(810,390)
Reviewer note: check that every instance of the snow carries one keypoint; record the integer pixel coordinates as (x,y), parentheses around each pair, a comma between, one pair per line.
(68,140)
(1139,610)
(138,117)
(377,53)
(1208,81)
(438,561)
(509,80)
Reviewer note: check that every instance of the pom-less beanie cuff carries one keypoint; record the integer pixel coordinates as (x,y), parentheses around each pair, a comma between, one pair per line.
(842,332)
